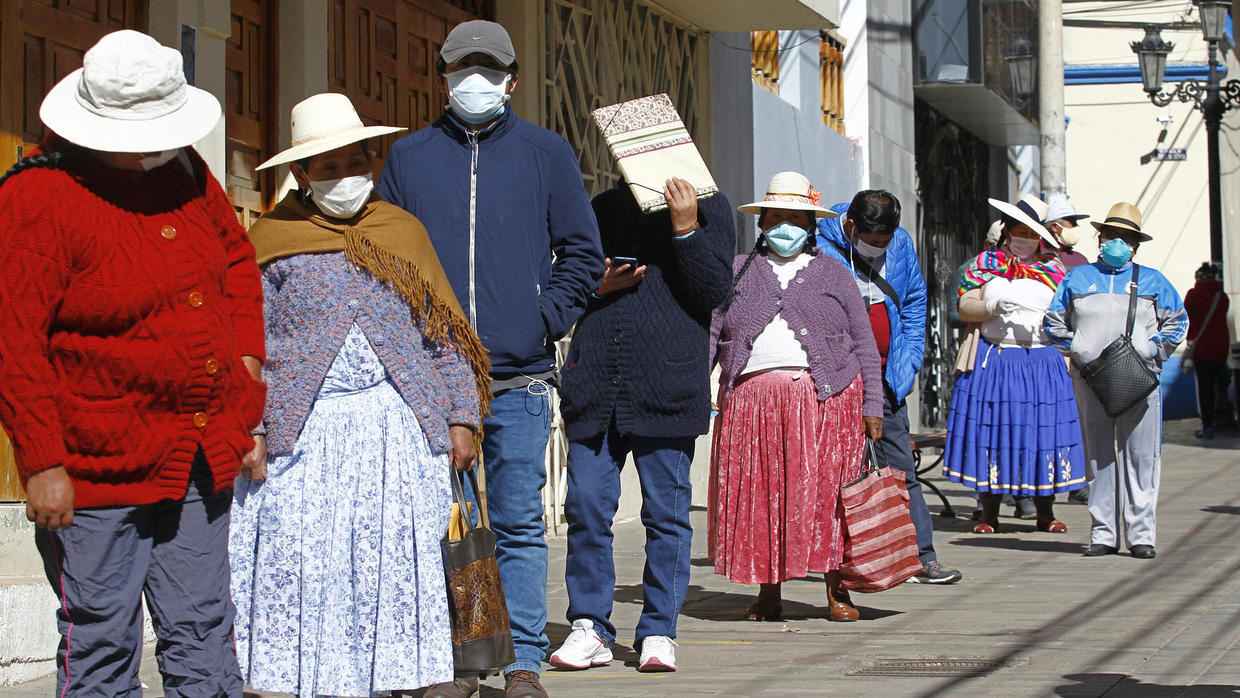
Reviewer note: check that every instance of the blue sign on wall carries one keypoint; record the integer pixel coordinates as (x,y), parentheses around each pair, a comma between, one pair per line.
(1171,154)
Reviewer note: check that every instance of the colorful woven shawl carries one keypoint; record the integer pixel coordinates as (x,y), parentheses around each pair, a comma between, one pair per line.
(995,263)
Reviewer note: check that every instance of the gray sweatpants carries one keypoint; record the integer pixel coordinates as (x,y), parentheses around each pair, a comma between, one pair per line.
(174,553)
(1123,460)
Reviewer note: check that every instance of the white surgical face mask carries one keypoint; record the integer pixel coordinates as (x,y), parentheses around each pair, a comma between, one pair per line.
(478,94)
(342,198)
(867,250)
(1023,247)
(159,159)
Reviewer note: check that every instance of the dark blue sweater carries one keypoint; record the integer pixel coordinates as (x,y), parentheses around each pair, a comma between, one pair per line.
(639,356)
(528,201)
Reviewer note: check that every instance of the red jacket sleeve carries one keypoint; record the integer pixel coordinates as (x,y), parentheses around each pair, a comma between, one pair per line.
(243,286)
(34,273)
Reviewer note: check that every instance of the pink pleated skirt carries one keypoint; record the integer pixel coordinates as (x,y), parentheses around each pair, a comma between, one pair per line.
(778,460)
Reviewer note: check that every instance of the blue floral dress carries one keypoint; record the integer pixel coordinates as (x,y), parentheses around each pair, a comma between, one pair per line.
(337,573)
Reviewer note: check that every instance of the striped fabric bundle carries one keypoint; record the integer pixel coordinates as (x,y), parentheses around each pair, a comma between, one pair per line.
(994,263)
(880,543)
(651,145)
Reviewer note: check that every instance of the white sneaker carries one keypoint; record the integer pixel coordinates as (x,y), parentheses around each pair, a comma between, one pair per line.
(658,654)
(583,648)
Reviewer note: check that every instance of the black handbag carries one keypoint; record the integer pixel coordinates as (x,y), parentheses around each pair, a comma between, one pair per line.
(481,637)
(1119,376)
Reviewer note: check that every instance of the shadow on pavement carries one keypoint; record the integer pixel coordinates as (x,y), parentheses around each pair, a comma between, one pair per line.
(1007,543)
(1121,685)
(1221,509)
(722,606)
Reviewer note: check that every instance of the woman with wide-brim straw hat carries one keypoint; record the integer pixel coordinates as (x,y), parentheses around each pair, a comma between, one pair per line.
(1089,312)
(1013,427)
(800,387)
(130,344)
(376,386)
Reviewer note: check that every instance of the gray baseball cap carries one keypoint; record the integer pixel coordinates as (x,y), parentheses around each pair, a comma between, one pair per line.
(478,36)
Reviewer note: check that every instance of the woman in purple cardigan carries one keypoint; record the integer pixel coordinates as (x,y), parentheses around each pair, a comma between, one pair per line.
(800,387)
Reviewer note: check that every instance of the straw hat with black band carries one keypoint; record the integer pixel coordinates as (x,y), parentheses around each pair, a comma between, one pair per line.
(1123,216)
(322,123)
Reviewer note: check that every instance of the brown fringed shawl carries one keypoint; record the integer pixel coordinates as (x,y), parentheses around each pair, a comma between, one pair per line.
(393,246)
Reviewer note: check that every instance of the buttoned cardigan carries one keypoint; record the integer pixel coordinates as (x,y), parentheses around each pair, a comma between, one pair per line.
(129,299)
(825,311)
(310,302)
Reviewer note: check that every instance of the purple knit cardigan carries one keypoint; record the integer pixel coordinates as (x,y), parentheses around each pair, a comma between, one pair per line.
(310,301)
(824,309)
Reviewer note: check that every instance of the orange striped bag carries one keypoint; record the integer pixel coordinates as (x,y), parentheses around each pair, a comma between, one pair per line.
(880,543)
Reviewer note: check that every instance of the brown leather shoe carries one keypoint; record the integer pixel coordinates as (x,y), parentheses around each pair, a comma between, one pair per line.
(524,684)
(460,688)
(839,606)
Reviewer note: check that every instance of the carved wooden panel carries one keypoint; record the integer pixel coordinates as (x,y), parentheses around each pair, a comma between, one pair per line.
(41,41)
(831,79)
(250,104)
(382,53)
(599,52)
(764,59)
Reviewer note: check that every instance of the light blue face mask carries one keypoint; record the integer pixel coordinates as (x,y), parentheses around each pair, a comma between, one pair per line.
(785,239)
(1115,253)
(477,94)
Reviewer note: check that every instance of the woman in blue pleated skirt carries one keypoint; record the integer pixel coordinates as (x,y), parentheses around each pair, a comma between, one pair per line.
(1013,427)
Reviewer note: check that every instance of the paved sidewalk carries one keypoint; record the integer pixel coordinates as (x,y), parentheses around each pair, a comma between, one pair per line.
(1051,621)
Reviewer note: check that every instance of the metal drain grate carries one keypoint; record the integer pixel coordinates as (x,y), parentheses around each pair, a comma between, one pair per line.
(928,667)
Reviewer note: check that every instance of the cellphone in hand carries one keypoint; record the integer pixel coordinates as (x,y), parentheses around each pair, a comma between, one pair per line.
(621,261)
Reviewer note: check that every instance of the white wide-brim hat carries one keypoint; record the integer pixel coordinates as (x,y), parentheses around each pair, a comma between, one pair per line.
(1029,210)
(790,190)
(324,122)
(129,96)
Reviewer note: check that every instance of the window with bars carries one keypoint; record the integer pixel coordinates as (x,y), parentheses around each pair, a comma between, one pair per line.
(831,79)
(764,47)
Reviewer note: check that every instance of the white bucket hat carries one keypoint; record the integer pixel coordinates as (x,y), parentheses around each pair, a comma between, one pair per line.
(790,190)
(1059,208)
(324,122)
(129,96)
(1029,210)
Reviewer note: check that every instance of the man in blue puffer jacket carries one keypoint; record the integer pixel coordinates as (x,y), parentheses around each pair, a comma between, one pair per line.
(868,240)
(508,215)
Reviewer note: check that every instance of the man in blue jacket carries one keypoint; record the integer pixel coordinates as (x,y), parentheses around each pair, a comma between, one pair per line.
(508,215)
(868,240)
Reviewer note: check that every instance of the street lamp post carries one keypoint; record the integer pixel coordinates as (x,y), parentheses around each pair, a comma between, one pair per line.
(1213,99)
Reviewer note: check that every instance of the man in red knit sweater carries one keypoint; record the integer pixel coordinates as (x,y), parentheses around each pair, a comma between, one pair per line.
(130,350)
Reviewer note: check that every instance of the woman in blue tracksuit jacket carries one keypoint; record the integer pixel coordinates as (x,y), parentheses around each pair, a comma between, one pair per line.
(1090,310)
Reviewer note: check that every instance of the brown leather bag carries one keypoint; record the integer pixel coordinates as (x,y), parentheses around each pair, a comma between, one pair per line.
(481,637)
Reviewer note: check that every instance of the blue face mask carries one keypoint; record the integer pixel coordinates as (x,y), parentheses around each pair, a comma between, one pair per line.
(477,94)
(785,239)
(1115,253)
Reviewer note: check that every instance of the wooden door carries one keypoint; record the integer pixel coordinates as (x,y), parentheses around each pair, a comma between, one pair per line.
(41,41)
(250,105)
(382,53)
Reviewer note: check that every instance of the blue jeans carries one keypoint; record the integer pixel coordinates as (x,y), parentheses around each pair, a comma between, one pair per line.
(593,495)
(514,456)
(895,449)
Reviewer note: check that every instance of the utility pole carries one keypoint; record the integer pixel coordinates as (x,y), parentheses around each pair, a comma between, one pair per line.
(1050,96)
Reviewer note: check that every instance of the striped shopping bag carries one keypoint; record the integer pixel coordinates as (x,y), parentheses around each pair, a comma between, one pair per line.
(880,543)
